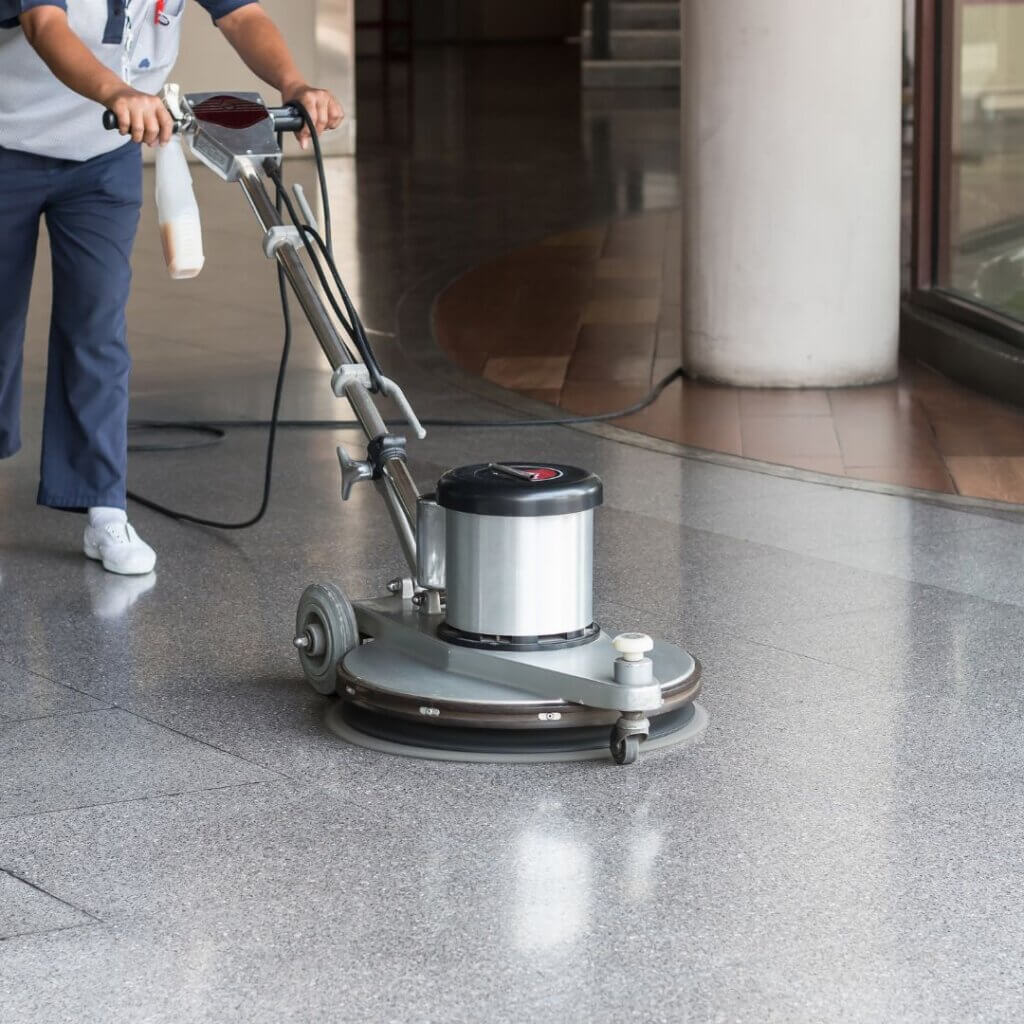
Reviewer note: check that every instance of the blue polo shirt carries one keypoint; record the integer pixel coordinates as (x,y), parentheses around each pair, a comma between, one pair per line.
(41,115)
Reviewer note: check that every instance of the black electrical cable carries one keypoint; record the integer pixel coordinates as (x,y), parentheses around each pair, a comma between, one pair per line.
(211,435)
(320,173)
(353,324)
(218,428)
(349,323)
(268,473)
(346,325)
(359,336)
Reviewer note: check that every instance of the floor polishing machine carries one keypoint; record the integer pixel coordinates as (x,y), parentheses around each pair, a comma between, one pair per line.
(487,649)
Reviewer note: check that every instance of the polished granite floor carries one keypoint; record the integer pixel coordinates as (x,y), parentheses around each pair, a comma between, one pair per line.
(182,840)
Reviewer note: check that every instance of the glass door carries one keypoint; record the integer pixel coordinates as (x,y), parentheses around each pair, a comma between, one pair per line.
(969,231)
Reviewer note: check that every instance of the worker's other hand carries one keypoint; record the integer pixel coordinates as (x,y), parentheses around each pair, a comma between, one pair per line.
(141,115)
(324,110)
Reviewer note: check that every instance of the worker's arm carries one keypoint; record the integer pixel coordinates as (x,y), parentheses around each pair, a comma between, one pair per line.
(260,44)
(140,115)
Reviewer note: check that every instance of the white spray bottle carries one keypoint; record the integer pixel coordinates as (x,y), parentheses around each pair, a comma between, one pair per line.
(177,210)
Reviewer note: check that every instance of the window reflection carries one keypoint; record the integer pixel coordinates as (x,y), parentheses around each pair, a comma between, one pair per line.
(982,248)
(552,906)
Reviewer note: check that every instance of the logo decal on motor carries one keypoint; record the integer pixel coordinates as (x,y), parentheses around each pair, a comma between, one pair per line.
(540,473)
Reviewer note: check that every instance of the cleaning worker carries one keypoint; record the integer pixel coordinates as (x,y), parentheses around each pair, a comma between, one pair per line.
(61,63)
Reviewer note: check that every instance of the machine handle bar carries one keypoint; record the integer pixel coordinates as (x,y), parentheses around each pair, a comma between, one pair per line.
(110,122)
(286,119)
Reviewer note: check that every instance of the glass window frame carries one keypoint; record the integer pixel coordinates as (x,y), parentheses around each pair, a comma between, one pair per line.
(934,66)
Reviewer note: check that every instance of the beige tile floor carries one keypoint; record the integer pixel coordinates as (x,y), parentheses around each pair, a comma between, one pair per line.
(590,319)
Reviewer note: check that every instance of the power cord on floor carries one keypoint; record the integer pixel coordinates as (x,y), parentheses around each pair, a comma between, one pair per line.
(213,432)
(286,345)
(215,435)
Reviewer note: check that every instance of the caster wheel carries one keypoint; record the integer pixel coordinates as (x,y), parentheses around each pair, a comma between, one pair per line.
(625,749)
(325,631)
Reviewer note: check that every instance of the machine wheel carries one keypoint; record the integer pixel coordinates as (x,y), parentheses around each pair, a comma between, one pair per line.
(325,631)
(625,749)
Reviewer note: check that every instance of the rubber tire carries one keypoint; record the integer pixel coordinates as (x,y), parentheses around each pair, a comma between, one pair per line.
(625,749)
(327,605)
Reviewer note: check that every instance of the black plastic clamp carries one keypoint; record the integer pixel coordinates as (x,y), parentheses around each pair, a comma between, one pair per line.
(383,449)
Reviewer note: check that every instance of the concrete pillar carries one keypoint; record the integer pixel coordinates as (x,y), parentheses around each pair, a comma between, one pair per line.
(791,191)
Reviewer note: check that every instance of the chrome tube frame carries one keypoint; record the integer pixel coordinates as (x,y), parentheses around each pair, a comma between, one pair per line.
(287,255)
(396,485)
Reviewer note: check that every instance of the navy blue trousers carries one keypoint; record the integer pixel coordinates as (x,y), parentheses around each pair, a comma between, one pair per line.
(92,215)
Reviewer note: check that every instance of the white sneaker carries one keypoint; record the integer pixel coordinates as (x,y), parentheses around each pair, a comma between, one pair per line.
(119,548)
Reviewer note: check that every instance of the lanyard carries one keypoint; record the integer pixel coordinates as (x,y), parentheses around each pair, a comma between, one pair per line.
(129,38)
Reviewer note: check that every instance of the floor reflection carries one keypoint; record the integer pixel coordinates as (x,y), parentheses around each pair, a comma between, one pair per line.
(553,891)
(112,596)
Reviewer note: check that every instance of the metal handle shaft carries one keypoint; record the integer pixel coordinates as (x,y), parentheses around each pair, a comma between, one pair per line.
(295,270)
(398,488)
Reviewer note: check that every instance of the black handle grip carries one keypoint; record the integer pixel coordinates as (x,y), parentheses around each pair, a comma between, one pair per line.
(111,123)
(286,119)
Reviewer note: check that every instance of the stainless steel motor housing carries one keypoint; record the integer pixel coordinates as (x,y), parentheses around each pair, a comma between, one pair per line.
(516,576)
(519,540)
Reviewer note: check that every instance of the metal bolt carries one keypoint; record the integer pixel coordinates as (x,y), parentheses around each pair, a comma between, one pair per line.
(395,586)
(302,642)
(633,723)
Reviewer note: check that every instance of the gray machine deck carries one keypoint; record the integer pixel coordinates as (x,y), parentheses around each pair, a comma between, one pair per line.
(415,676)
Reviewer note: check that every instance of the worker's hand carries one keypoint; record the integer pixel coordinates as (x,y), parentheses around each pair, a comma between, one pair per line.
(141,115)
(324,110)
